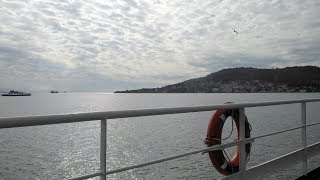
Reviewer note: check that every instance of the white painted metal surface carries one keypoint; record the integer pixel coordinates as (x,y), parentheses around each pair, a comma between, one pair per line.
(261,170)
(103,149)
(80,117)
(300,155)
(242,148)
(304,137)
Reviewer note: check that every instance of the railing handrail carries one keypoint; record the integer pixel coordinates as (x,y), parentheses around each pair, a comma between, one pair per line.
(103,116)
(10,122)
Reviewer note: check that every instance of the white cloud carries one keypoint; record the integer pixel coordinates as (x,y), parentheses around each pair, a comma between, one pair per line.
(152,42)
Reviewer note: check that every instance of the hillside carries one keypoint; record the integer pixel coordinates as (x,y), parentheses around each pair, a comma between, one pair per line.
(289,79)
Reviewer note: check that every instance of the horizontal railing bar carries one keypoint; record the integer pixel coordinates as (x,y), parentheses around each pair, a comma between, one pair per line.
(80,117)
(87,176)
(177,110)
(258,171)
(274,133)
(283,131)
(212,148)
(308,125)
(279,132)
(290,158)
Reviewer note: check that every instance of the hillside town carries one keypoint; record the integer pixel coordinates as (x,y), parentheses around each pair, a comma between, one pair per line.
(247,80)
(254,86)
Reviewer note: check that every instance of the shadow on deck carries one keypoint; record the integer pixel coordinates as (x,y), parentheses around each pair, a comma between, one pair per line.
(312,175)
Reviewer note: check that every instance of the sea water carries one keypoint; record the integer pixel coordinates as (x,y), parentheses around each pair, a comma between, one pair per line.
(71,150)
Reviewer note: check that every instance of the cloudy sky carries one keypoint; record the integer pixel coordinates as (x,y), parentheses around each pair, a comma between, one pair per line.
(107,45)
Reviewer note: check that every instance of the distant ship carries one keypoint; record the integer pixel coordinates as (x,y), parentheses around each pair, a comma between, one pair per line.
(16,93)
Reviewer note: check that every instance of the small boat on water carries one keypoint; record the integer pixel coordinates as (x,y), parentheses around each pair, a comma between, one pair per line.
(16,93)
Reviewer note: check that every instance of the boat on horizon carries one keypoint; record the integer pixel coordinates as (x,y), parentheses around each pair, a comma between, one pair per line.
(16,93)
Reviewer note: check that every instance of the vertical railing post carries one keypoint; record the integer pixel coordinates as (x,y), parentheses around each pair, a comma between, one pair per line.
(103,149)
(304,137)
(242,163)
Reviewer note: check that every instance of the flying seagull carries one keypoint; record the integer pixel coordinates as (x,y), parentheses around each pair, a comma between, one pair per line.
(235,31)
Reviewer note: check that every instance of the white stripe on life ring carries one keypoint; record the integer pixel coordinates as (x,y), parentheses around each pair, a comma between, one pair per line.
(224,165)
(223,117)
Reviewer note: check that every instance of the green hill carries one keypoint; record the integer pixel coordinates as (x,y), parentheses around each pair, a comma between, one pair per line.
(289,79)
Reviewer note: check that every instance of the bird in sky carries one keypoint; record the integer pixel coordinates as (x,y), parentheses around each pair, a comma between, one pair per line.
(235,31)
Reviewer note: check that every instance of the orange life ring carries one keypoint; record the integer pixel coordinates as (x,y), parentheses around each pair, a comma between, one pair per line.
(219,161)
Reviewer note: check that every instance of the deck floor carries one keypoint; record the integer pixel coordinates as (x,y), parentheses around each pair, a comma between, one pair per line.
(312,175)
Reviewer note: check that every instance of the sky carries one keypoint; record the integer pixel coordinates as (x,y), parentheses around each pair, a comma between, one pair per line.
(108,45)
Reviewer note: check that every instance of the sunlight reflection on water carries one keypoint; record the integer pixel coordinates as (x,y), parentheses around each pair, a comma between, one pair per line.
(71,150)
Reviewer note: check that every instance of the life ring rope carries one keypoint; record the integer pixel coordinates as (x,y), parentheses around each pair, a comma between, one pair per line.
(230,134)
(226,162)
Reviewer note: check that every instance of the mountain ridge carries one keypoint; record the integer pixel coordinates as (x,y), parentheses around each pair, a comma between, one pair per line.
(246,79)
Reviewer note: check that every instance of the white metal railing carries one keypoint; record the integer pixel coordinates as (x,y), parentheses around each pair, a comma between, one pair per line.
(300,155)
